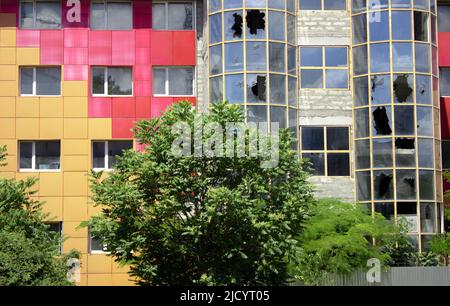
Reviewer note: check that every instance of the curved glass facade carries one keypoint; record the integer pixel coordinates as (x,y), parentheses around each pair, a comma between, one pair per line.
(253,58)
(396,112)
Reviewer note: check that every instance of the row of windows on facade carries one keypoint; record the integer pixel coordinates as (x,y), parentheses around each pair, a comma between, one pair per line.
(95,245)
(108,15)
(327,148)
(216,5)
(108,81)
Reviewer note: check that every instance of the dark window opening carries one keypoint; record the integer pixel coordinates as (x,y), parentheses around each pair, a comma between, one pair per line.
(237,26)
(405,143)
(258,88)
(381,120)
(384,183)
(255,21)
(402,90)
(421,26)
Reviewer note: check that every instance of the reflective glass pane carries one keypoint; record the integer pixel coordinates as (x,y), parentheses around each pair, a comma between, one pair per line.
(424,121)
(215,28)
(336,78)
(47,155)
(215,59)
(276,25)
(26,155)
(401,25)
(120,81)
(158,16)
(277,117)
(334,5)
(401,3)
(317,161)
(255,3)
(426,153)
(277,89)
(379,58)
(359,28)
(404,120)
(233,25)
(292,91)
(362,122)
(98,155)
(292,60)
(234,57)
(379,26)
(382,153)
(422,58)
(215,5)
(26,15)
(423,89)
(361,88)
(402,59)
(159,81)
(363,189)
(215,89)
(428,217)
(256,56)
(336,57)
(311,57)
(120,16)
(257,114)
(48,81)
(405,152)
(180,16)
(426,183)
(362,154)
(48,15)
(338,164)
(181,81)
(26,81)
(311,78)
(421,26)
(98,16)
(360,60)
(310,5)
(337,138)
(229,4)
(117,148)
(312,138)
(234,88)
(381,89)
(406,184)
(277,58)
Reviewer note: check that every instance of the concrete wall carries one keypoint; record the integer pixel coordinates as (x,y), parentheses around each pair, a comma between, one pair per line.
(322,107)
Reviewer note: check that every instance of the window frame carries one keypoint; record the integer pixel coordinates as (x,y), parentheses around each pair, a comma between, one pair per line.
(33,158)
(105,84)
(322,7)
(325,150)
(324,67)
(106,157)
(167,85)
(166,13)
(60,224)
(96,252)
(34,94)
(105,2)
(34,15)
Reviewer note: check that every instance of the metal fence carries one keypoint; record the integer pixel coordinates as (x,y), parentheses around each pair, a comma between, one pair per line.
(396,276)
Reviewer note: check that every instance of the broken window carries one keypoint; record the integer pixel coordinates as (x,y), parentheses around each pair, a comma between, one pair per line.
(362,151)
(382,153)
(425,153)
(406,184)
(428,217)
(402,58)
(422,58)
(233,25)
(381,89)
(405,152)
(383,185)
(361,89)
(277,89)
(256,88)
(381,120)
(421,26)
(379,58)
(276,26)
(423,89)
(386,209)
(277,57)
(256,24)
(363,190)
(408,212)
(424,121)
(234,57)
(403,88)
(256,56)
(426,183)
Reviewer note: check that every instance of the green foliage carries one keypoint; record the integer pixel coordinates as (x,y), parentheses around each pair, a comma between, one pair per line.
(201,220)
(426,259)
(28,250)
(337,239)
(440,244)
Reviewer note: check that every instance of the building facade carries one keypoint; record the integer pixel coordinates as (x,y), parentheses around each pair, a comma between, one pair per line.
(362,84)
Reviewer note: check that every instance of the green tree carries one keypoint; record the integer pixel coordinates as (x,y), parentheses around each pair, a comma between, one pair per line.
(338,239)
(28,250)
(201,220)
(440,244)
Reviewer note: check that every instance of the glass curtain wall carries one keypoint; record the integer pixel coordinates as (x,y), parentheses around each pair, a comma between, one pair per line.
(396,113)
(253,58)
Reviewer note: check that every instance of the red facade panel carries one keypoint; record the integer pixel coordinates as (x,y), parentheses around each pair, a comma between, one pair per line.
(123,108)
(100,46)
(444,45)
(52,47)
(123,48)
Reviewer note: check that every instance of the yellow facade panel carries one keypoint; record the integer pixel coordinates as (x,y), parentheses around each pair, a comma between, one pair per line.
(116,268)
(50,184)
(7,38)
(7,56)
(75,107)
(75,209)
(27,107)
(50,128)
(53,206)
(100,128)
(75,128)
(93,210)
(122,279)
(99,263)
(11,164)
(27,128)
(8,73)
(51,107)
(28,56)
(99,279)
(25,175)
(8,88)
(9,175)
(75,89)
(76,163)
(7,107)
(75,147)
(7,128)
(11,145)
(79,244)
(73,230)
(75,184)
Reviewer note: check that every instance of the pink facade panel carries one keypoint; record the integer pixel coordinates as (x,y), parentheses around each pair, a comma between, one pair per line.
(123,48)
(76,38)
(100,107)
(100,46)
(28,38)
(52,47)
(75,56)
(76,72)
(123,107)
